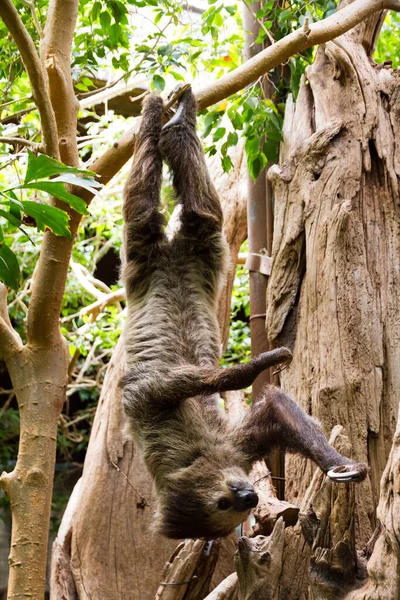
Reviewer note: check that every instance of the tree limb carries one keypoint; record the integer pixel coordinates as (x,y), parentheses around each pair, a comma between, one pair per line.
(10,342)
(337,24)
(55,53)
(51,273)
(31,5)
(298,41)
(17,140)
(37,78)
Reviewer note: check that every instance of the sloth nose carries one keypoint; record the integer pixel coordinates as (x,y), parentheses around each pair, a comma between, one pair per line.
(244,497)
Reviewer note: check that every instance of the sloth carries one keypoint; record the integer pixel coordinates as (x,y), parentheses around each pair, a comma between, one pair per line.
(199,461)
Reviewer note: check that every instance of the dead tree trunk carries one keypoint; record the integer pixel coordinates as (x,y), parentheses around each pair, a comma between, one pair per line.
(105,548)
(333,292)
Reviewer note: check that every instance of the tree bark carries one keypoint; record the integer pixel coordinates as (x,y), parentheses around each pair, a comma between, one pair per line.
(115,496)
(333,291)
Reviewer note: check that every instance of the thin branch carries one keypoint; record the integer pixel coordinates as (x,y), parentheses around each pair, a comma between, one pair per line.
(38,26)
(298,41)
(3,305)
(79,272)
(17,140)
(259,21)
(10,342)
(15,101)
(93,310)
(37,78)
(15,116)
(107,94)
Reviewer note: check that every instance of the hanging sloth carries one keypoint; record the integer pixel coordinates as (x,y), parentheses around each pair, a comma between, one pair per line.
(199,460)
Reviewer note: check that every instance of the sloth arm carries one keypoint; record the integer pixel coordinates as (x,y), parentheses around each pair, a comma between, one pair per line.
(277,421)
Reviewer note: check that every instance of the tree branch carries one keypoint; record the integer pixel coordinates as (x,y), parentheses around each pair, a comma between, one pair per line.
(37,78)
(17,140)
(10,342)
(337,24)
(38,26)
(298,41)
(55,53)
(44,310)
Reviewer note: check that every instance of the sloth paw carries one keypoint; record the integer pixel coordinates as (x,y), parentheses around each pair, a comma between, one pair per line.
(353,472)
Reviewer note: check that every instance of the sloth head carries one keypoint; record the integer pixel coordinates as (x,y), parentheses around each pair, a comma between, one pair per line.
(205,501)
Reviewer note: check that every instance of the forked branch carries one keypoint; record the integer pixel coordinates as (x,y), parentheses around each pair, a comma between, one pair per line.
(36,75)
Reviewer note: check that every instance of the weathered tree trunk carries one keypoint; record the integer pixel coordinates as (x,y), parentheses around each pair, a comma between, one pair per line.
(333,292)
(105,548)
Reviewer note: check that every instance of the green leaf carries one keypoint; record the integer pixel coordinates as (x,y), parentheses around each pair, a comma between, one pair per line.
(49,217)
(57,189)
(96,10)
(219,133)
(42,166)
(227,164)
(252,147)
(159,83)
(218,20)
(11,218)
(105,21)
(9,267)
(176,75)
(233,138)
(231,9)
(88,184)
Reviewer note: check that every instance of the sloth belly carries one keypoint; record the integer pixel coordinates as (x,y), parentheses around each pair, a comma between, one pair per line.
(174,324)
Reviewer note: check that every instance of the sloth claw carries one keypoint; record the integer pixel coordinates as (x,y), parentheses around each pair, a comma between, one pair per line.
(281,367)
(345,474)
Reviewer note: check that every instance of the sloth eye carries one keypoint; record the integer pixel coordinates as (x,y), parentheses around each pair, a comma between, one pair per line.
(224,503)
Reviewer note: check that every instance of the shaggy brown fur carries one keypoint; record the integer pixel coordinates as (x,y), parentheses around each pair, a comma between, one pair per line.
(199,461)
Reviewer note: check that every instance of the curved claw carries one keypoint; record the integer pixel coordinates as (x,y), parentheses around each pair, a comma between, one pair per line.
(343,474)
(176,119)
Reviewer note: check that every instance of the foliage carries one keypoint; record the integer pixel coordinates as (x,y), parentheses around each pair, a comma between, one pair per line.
(38,171)
(387,48)
(257,112)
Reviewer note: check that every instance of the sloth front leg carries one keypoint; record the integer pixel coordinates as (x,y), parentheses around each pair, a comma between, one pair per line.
(277,421)
(164,386)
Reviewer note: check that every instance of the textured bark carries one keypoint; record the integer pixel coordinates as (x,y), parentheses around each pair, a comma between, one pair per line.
(269,509)
(107,541)
(39,383)
(258,566)
(327,522)
(384,565)
(333,292)
(187,575)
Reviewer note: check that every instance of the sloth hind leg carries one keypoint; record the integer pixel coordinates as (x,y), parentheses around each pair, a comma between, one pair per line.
(181,148)
(277,421)
(143,222)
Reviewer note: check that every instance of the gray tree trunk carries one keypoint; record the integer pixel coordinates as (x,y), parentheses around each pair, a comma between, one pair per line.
(334,292)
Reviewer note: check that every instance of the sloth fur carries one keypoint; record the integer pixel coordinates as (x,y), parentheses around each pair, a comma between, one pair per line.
(199,460)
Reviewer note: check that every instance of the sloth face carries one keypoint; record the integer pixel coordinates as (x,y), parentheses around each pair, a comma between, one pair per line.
(205,501)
